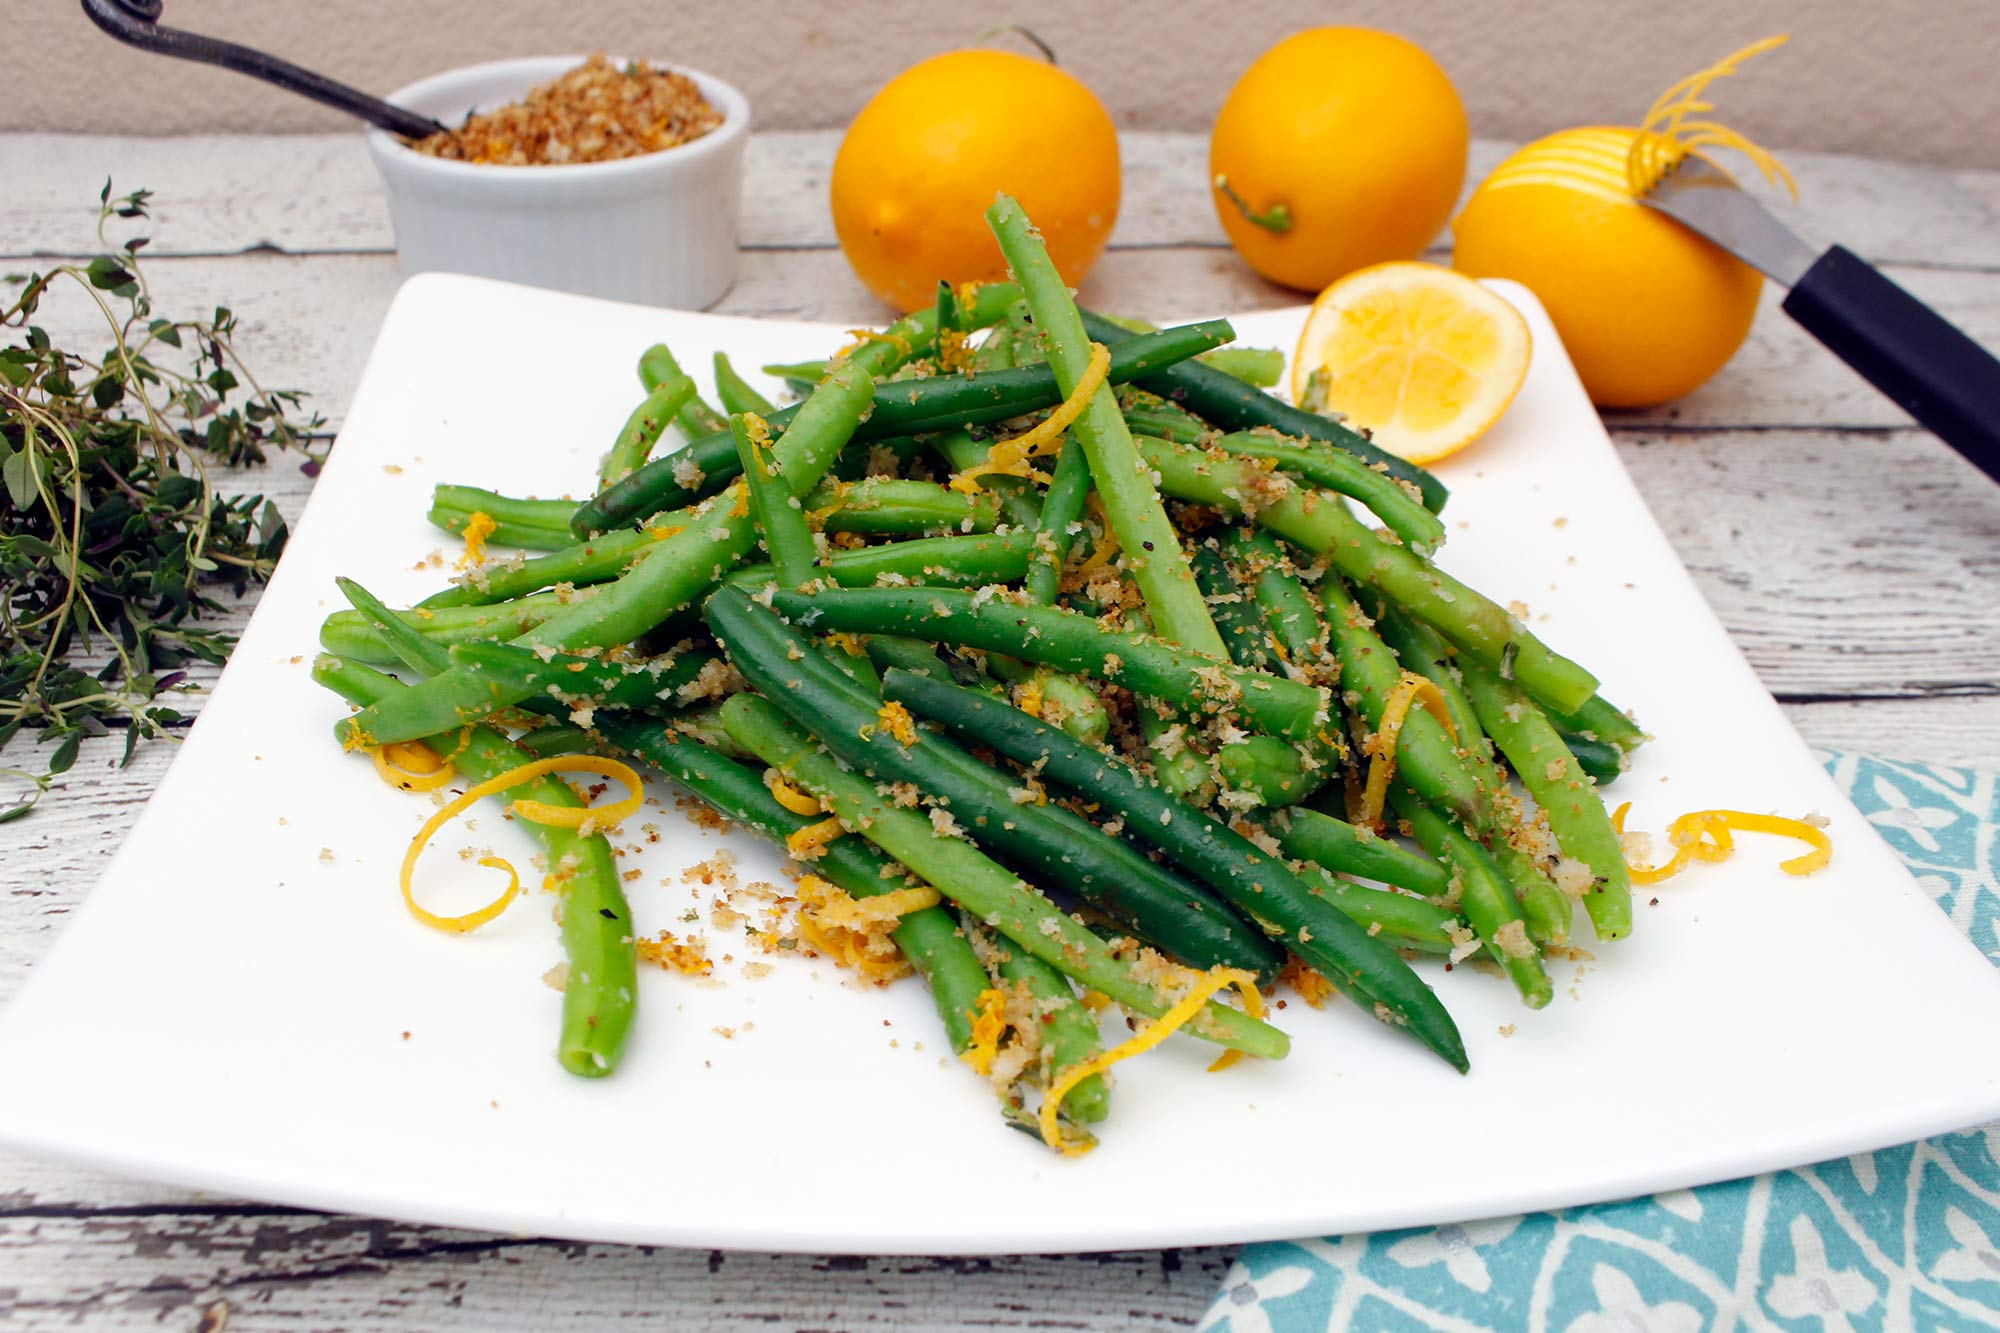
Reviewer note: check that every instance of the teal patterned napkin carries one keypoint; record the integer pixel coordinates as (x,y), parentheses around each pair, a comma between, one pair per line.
(1904,1238)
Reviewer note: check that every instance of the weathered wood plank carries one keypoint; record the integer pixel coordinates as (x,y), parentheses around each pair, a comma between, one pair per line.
(219,194)
(310,321)
(108,1270)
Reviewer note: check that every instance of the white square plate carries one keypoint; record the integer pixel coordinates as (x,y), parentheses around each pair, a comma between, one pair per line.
(243,1005)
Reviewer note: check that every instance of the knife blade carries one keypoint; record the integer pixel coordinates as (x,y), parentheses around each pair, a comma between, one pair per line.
(1919,359)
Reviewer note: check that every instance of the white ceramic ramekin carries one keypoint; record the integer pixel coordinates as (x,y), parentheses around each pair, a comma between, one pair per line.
(656,230)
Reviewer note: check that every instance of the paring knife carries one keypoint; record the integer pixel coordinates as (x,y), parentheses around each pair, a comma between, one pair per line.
(1948,382)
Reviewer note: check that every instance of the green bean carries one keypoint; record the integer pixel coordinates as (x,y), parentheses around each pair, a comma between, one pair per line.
(594,561)
(1309,835)
(1045,840)
(1395,918)
(1602,759)
(1167,421)
(1546,909)
(971,561)
(736,393)
(504,532)
(404,641)
(856,666)
(695,417)
(1151,543)
(452,506)
(1601,720)
(1323,465)
(1178,767)
(1225,401)
(642,430)
(717,536)
(1257,882)
(347,634)
(1288,605)
(1270,770)
(893,506)
(1321,524)
(1258,366)
(893,650)
(600,993)
(996,352)
(962,873)
(928,937)
(775,510)
(1427,758)
(1066,1031)
(1565,793)
(1237,615)
(1019,503)
(1068,641)
(1076,707)
(587,682)
(1484,898)
(550,741)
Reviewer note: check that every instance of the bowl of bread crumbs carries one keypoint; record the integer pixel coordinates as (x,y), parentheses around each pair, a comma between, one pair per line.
(604,177)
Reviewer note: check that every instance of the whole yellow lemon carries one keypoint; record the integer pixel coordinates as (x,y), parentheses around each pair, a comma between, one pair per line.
(1648,309)
(926,156)
(1339,148)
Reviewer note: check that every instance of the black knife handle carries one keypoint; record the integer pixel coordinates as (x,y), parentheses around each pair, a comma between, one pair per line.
(1948,382)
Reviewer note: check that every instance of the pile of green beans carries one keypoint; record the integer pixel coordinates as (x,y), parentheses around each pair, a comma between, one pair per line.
(1148,705)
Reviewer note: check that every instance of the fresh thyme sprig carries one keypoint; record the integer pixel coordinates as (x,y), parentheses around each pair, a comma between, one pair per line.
(113,539)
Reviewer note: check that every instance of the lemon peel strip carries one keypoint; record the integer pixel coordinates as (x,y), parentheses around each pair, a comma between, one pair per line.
(1009,457)
(1156,1032)
(1381,747)
(412,766)
(1667,135)
(1705,835)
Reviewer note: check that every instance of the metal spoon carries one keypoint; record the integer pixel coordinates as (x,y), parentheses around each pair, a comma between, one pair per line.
(137,22)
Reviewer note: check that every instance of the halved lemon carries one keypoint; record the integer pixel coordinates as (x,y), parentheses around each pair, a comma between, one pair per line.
(1425,358)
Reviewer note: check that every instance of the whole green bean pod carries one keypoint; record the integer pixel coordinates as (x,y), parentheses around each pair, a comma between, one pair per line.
(1151,543)
(1237,615)
(1179,768)
(1484,897)
(775,510)
(962,873)
(1068,641)
(503,532)
(1256,881)
(736,393)
(452,506)
(594,561)
(1397,919)
(1260,367)
(1150,415)
(1225,401)
(928,937)
(348,634)
(695,417)
(601,992)
(585,682)
(1601,720)
(893,650)
(642,430)
(971,561)
(1046,840)
(1067,1033)
(1562,789)
(892,506)
(1602,759)
(404,641)
(716,537)
(1320,523)
(1308,835)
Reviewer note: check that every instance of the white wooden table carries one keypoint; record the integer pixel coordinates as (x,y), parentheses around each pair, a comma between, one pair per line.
(1854,559)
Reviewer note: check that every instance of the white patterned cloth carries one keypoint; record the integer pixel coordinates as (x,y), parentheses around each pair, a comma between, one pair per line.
(1906,1238)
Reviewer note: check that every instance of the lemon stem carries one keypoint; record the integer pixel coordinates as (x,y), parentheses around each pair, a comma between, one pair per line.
(1277,219)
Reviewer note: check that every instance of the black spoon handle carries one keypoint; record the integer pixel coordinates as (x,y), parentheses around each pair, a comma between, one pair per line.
(1948,382)
(136,22)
